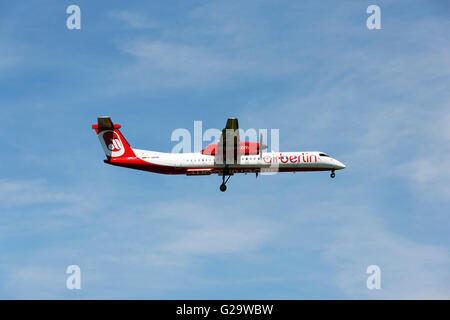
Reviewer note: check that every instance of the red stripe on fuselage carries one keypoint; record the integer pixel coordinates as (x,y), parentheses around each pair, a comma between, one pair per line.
(138,164)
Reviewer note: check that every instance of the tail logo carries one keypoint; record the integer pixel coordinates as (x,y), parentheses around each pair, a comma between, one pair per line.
(112,144)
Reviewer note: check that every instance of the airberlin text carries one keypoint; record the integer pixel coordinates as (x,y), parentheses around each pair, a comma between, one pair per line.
(301,158)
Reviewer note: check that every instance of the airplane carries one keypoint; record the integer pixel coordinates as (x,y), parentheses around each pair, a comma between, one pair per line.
(227,157)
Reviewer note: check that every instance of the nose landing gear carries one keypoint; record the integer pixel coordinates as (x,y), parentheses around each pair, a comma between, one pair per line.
(332,175)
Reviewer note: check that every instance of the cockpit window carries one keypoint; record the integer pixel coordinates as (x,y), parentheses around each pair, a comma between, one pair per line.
(323,155)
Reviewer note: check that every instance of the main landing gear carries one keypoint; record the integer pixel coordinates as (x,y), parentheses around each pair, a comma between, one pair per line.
(223,186)
(332,175)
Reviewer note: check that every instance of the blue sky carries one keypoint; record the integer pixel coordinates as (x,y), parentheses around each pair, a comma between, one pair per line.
(376,100)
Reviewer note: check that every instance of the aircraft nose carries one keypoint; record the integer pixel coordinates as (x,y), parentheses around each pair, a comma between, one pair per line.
(340,165)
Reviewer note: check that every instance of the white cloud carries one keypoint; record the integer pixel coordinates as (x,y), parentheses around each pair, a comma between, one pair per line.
(429,176)
(409,270)
(31,192)
(187,230)
(8,61)
(177,58)
(135,20)
(221,233)
(158,244)
(349,232)
(33,281)
(159,64)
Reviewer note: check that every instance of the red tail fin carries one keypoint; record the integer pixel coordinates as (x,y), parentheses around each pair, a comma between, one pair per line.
(113,142)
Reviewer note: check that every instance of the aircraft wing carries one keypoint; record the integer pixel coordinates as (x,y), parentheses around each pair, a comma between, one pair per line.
(228,148)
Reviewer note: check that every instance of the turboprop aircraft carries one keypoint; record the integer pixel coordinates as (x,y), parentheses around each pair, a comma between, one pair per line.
(226,158)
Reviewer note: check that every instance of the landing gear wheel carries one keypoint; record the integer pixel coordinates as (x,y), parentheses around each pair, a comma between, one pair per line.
(332,175)
(225,173)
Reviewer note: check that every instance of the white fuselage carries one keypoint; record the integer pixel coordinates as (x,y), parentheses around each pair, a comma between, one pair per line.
(283,160)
